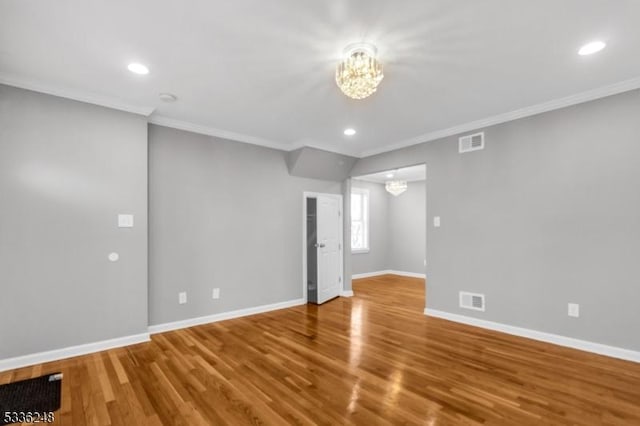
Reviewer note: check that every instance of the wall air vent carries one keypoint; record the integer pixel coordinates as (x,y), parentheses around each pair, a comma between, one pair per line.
(472,301)
(470,143)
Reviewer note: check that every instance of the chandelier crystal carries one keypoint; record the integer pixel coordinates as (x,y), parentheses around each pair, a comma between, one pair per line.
(396,187)
(360,73)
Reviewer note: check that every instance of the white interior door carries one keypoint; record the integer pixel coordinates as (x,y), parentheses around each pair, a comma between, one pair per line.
(329,215)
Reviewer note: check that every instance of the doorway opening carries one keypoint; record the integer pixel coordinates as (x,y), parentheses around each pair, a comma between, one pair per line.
(322,247)
(388,235)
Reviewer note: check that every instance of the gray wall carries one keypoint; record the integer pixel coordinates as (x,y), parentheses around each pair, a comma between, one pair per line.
(548,213)
(223,214)
(377,257)
(66,170)
(315,163)
(406,229)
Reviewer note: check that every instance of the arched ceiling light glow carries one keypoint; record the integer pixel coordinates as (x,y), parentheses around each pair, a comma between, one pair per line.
(349,132)
(137,68)
(591,48)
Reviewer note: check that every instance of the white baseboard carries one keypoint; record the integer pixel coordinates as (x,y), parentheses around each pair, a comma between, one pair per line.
(583,345)
(387,272)
(408,274)
(161,328)
(58,354)
(370,274)
(346,293)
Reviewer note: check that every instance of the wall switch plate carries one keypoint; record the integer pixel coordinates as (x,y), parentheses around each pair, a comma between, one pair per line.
(125,221)
(436,221)
(216,293)
(574,310)
(425,262)
(182,297)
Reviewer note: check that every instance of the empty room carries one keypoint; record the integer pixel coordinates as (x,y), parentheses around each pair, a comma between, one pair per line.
(388,217)
(319,213)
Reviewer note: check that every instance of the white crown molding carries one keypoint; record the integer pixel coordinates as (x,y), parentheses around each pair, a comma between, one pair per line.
(76,95)
(578,98)
(176,325)
(219,133)
(555,339)
(147,111)
(322,147)
(58,354)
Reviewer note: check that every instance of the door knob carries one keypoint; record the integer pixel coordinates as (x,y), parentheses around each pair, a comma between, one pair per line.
(319,245)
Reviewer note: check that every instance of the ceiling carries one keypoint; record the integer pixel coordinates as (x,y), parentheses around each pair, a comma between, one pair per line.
(410,174)
(263,72)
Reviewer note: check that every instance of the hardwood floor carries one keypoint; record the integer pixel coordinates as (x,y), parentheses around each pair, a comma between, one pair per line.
(373,359)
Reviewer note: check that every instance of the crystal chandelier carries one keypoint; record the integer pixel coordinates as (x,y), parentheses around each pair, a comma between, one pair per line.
(360,73)
(396,187)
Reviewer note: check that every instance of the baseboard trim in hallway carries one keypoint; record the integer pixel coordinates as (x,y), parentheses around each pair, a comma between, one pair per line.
(388,272)
(583,345)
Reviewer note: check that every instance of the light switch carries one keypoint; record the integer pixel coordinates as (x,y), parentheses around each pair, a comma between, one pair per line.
(574,310)
(216,293)
(125,221)
(436,221)
(182,297)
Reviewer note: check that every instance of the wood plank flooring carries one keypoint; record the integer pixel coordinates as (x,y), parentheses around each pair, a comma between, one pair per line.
(373,359)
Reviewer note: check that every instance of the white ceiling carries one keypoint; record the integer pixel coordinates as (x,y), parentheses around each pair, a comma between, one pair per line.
(410,174)
(262,71)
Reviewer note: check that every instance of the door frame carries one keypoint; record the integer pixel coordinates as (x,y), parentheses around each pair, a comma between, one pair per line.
(305,196)
(426,212)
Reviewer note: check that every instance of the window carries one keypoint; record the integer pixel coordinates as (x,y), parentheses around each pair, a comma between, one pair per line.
(359,220)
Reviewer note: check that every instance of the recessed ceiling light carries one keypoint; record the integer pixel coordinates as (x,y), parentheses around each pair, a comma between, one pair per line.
(591,48)
(350,132)
(389,175)
(138,68)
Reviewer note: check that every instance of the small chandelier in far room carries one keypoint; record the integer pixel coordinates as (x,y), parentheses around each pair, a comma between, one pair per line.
(396,187)
(359,73)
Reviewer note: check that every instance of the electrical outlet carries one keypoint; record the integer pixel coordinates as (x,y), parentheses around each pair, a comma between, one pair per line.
(574,310)
(216,293)
(182,297)
(125,221)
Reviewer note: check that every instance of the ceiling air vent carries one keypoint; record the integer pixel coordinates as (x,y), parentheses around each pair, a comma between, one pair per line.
(472,301)
(470,143)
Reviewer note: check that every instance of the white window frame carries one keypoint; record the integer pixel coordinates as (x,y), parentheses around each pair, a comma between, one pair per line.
(366,200)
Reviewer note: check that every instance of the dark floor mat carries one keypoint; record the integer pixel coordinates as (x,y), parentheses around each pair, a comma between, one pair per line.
(39,396)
